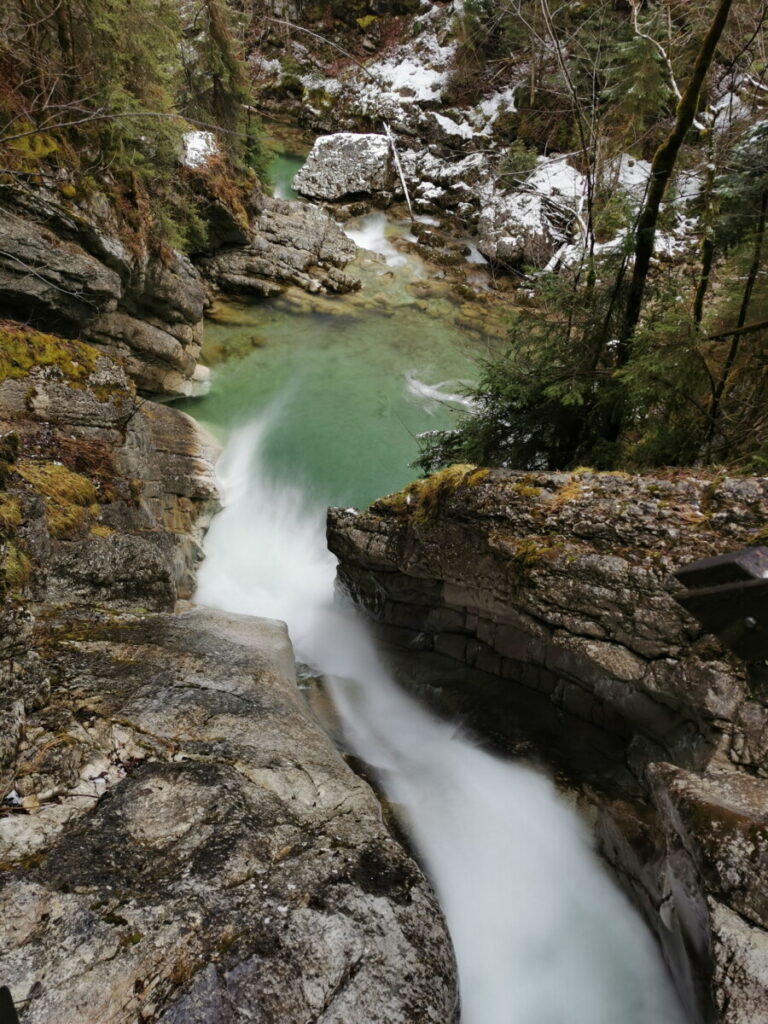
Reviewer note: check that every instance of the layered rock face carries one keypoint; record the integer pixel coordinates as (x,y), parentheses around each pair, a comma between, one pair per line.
(71,270)
(75,269)
(543,607)
(291,243)
(179,840)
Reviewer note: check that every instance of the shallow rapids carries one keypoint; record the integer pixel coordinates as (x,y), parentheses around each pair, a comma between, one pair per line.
(542,935)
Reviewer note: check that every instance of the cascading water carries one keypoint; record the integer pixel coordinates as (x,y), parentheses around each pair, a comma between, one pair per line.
(542,936)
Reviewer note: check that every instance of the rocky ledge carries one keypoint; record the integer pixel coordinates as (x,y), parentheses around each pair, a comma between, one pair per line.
(76,268)
(196,851)
(541,605)
(179,840)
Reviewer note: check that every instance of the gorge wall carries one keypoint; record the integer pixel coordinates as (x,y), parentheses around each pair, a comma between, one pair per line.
(540,606)
(179,840)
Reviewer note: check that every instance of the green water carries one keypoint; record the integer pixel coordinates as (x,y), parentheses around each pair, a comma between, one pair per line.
(335,371)
(281,170)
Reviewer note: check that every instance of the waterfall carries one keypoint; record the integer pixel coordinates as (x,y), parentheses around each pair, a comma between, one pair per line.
(541,933)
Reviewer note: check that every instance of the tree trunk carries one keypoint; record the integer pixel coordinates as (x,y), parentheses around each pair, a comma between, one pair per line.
(730,359)
(661,171)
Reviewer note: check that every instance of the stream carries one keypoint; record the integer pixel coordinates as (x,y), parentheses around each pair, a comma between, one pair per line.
(318,401)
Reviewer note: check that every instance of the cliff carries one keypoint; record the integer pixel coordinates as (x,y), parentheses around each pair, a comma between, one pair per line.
(91,268)
(179,840)
(541,607)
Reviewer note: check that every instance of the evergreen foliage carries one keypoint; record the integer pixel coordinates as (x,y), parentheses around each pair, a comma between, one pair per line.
(103,91)
(625,361)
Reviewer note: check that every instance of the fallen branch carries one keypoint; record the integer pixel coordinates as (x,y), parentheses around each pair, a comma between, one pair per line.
(733,331)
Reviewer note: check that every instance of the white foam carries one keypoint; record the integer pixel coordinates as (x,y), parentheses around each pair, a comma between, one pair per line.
(542,936)
(369,233)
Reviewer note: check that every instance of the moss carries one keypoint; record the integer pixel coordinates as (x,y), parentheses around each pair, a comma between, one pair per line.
(100,530)
(425,498)
(526,490)
(16,568)
(69,497)
(570,491)
(533,550)
(10,514)
(22,349)
(367,21)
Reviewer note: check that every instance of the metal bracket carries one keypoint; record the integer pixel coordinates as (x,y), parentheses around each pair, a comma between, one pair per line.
(728,594)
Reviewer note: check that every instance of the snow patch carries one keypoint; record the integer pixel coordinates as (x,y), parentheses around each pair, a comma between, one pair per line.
(451,127)
(199,147)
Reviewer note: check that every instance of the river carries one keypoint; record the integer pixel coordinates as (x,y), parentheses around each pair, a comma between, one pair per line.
(321,404)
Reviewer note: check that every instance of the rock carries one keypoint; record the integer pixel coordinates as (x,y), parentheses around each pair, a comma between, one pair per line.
(346,164)
(741,978)
(115,493)
(291,243)
(158,362)
(43,275)
(69,269)
(208,854)
(541,606)
(514,230)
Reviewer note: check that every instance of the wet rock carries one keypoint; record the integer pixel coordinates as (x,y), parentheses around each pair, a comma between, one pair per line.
(221,859)
(346,164)
(291,243)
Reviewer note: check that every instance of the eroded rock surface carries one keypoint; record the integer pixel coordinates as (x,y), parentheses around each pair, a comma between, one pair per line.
(78,270)
(544,602)
(179,840)
(199,851)
(346,164)
(291,243)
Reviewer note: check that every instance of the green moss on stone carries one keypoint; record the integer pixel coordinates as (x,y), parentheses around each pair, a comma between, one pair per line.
(69,497)
(22,349)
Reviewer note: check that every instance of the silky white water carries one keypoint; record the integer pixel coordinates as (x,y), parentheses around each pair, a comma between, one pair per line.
(542,936)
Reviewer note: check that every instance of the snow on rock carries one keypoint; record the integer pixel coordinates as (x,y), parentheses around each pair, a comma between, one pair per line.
(453,129)
(346,164)
(199,147)
(513,230)
(555,178)
(631,174)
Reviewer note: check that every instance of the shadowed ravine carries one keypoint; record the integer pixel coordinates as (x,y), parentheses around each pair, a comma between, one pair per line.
(325,412)
(542,935)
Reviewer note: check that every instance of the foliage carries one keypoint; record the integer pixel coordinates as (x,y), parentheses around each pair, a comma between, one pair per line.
(625,360)
(104,89)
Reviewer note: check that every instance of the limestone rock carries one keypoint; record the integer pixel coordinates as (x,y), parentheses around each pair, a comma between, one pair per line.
(220,860)
(291,244)
(115,492)
(43,274)
(346,164)
(514,230)
(540,606)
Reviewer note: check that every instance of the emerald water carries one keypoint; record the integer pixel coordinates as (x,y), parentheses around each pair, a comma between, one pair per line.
(351,379)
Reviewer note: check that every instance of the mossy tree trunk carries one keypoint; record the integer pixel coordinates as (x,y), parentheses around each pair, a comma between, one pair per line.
(730,359)
(662,167)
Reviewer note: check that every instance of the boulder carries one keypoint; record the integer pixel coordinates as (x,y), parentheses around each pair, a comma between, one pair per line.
(291,243)
(195,849)
(513,230)
(346,164)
